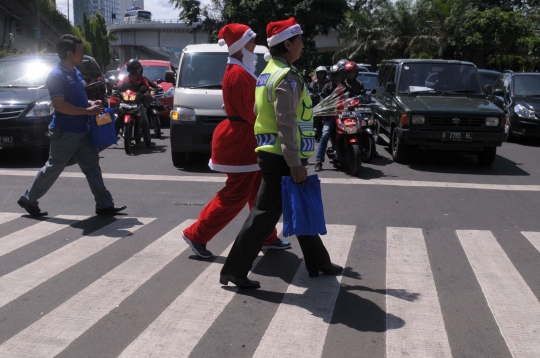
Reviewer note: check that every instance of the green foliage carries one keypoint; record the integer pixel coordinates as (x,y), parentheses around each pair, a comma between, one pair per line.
(59,20)
(95,32)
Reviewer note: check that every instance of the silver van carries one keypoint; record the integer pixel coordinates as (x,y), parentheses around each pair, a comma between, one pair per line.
(198,102)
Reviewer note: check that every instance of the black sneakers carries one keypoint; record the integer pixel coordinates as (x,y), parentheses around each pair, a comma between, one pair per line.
(32,210)
(199,249)
(318,167)
(111,210)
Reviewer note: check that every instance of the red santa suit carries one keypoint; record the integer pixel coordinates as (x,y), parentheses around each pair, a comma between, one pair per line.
(233,153)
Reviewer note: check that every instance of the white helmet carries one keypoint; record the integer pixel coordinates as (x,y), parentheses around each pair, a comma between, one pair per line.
(321,69)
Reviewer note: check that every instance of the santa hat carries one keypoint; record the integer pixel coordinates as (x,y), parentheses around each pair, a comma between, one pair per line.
(235,36)
(279,31)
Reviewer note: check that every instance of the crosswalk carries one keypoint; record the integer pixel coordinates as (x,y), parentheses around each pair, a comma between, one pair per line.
(303,317)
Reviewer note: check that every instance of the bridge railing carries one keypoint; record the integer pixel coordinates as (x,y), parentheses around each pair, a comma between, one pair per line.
(153,21)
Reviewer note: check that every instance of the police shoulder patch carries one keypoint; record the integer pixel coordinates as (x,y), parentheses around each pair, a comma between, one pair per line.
(263,78)
(293,84)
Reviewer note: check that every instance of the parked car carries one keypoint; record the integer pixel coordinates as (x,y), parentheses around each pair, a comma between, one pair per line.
(518,95)
(198,101)
(25,104)
(155,70)
(368,79)
(110,78)
(436,104)
(488,77)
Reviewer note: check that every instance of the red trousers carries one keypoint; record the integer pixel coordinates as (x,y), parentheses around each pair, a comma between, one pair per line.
(240,189)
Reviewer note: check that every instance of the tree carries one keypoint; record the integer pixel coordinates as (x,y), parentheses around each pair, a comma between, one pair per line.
(95,32)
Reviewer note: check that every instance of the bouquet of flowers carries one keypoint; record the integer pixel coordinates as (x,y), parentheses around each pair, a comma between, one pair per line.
(333,104)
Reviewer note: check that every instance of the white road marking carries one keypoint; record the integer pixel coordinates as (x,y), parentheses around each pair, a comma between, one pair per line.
(36,232)
(533,237)
(514,306)
(58,329)
(6,217)
(342,181)
(181,325)
(20,281)
(299,327)
(408,272)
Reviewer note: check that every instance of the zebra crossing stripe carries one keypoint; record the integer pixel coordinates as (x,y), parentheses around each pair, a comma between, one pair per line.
(533,237)
(514,306)
(36,232)
(6,217)
(181,325)
(408,272)
(57,330)
(20,281)
(304,315)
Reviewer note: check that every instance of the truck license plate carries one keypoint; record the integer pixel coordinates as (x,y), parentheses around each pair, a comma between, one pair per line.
(457,136)
(6,141)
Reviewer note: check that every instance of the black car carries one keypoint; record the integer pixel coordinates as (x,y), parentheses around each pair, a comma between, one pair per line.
(488,77)
(518,95)
(25,106)
(111,77)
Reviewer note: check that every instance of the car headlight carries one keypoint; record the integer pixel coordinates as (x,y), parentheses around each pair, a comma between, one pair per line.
(418,119)
(41,109)
(523,112)
(370,122)
(183,114)
(492,121)
(169,93)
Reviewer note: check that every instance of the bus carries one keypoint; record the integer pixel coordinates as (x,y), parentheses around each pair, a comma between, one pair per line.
(135,14)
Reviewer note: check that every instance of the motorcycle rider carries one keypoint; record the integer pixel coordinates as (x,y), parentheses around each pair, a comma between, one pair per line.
(134,81)
(337,76)
(355,87)
(315,89)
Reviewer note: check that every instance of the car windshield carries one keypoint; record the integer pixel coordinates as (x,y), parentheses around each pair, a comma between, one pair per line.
(527,85)
(439,77)
(369,82)
(153,73)
(487,80)
(25,73)
(207,69)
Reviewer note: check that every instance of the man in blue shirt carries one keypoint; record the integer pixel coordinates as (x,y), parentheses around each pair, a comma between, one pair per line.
(69,132)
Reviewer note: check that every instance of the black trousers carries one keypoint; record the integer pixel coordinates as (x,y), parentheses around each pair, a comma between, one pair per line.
(263,218)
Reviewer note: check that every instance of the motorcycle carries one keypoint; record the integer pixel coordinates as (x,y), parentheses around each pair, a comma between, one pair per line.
(362,105)
(130,104)
(153,109)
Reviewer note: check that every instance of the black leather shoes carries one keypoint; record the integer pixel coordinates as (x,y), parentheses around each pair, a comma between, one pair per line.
(331,269)
(32,210)
(111,210)
(239,282)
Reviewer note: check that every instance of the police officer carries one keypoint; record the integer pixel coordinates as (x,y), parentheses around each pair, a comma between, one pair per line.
(284,133)
(315,89)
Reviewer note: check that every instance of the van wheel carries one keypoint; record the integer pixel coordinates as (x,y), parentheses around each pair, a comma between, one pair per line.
(178,159)
(398,149)
(487,156)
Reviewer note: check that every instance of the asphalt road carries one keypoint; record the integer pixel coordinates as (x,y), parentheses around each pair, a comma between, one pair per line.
(441,255)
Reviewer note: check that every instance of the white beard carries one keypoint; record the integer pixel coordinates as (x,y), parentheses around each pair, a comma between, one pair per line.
(249,60)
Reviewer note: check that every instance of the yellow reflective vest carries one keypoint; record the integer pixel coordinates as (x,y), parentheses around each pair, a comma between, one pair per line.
(266,131)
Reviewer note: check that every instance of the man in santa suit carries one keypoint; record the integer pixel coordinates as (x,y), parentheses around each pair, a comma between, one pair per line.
(233,145)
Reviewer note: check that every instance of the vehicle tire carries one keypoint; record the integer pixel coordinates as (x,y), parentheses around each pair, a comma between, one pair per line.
(378,138)
(510,137)
(178,159)
(487,156)
(128,137)
(354,159)
(157,127)
(398,149)
(367,145)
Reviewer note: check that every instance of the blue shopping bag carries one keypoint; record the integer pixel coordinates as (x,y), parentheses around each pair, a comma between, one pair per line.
(102,129)
(303,212)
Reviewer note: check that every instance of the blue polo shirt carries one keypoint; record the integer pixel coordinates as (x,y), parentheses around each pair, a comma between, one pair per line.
(69,84)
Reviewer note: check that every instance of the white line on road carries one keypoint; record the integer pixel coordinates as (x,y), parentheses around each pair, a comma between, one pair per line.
(299,327)
(20,281)
(533,237)
(6,217)
(342,181)
(36,232)
(181,325)
(412,298)
(57,330)
(514,306)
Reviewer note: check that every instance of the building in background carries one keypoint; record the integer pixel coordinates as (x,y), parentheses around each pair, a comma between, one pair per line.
(109,9)
(125,4)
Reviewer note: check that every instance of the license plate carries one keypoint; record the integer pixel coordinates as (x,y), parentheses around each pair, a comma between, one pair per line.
(6,141)
(457,136)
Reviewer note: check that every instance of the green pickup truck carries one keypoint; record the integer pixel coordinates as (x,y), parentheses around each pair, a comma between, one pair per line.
(436,104)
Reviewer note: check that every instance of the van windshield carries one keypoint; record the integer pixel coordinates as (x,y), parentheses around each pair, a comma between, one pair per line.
(205,70)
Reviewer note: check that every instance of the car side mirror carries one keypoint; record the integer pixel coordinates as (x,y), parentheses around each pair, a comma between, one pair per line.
(499,92)
(169,77)
(112,78)
(488,90)
(159,81)
(390,87)
(373,91)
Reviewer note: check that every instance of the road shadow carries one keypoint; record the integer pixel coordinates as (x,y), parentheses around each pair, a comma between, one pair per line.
(528,142)
(197,163)
(140,149)
(26,158)
(366,172)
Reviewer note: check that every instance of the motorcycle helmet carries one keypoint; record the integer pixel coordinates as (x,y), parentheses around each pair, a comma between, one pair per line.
(351,66)
(134,67)
(321,69)
(342,62)
(337,72)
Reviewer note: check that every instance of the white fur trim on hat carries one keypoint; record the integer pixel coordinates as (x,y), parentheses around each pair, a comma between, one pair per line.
(221,42)
(284,35)
(237,46)
(267,56)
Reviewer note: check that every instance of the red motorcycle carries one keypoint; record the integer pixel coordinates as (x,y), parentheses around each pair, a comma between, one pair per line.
(130,105)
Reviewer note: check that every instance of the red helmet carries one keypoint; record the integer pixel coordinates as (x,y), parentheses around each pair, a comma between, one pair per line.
(351,66)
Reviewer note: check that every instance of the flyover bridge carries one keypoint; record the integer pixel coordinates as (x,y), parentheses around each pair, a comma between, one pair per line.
(131,37)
